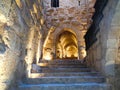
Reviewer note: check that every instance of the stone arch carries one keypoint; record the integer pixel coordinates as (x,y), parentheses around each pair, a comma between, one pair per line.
(65,42)
(76,31)
(66,27)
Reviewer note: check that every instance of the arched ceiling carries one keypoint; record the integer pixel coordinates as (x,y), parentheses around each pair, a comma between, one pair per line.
(67,45)
(67,39)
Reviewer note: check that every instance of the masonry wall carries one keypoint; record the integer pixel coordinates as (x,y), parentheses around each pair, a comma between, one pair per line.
(103,55)
(20,28)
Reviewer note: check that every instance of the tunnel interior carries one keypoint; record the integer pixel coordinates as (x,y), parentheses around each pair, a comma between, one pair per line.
(67,46)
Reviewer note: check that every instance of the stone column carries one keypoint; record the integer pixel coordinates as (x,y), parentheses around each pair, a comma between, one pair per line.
(54,51)
(41,48)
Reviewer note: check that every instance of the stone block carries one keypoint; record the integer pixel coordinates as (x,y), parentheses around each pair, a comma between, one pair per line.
(116,18)
(111,54)
(98,65)
(98,53)
(115,32)
(112,43)
(110,68)
(117,83)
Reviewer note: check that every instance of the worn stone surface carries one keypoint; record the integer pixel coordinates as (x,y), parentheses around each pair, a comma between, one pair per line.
(106,59)
(28,26)
(69,16)
(16,20)
(58,78)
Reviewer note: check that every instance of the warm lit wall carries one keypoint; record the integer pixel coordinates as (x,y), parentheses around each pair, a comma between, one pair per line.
(20,29)
(68,15)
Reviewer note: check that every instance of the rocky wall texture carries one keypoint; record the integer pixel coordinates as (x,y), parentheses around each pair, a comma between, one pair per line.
(70,12)
(73,16)
(18,18)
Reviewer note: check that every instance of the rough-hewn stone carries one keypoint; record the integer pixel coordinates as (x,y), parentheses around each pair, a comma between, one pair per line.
(16,20)
(26,27)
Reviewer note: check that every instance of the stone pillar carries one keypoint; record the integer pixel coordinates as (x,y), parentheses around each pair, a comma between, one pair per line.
(38,55)
(41,48)
(78,50)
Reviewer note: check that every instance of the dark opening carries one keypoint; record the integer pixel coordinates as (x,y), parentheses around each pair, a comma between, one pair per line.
(54,3)
(79,3)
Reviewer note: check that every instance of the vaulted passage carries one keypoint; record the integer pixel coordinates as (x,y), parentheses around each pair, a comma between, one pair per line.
(59,45)
(67,46)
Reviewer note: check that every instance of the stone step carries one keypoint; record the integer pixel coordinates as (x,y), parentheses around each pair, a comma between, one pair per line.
(64,80)
(64,66)
(45,69)
(61,65)
(64,75)
(62,62)
(82,86)
(36,75)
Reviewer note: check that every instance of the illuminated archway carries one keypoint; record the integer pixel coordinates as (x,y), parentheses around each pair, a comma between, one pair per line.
(66,45)
(52,48)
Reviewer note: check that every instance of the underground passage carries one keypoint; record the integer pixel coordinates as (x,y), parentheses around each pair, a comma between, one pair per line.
(59,45)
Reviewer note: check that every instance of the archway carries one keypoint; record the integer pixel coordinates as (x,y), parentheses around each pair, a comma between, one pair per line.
(49,48)
(66,46)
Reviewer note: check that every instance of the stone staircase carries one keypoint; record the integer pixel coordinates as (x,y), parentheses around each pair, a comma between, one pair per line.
(64,75)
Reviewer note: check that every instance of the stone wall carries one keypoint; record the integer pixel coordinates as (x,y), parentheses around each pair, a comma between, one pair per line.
(103,54)
(114,41)
(69,12)
(69,16)
(20,26)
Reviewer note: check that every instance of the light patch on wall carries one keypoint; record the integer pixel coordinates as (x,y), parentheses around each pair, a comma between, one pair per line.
(42,21)
(19,3)
(43,64)
(47,54)
(35,8)
(48,57)
(2,18)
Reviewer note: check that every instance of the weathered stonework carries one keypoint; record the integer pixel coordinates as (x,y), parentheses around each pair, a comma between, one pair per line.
(103,53)
(70,15)
(16,20)
(31,28)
